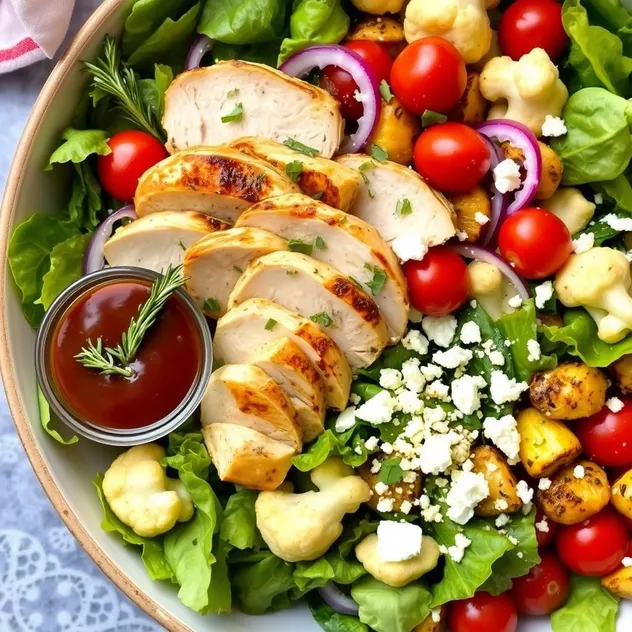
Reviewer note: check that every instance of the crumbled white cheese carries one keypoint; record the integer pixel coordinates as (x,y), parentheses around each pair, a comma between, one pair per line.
(457,550)
(583,243)
(614,404)
(412,376)
(480,218)
(504,389)
(515,301)
(533,348)
(346,419)
(524,492)
(398,541)
(409,402)
(465,393)
(371,444)
(410,246)
(507,176)
(406,507)
(598,198)
(470,333)
(579,471)
(467,490)
(502,521)
(461,235)
(378,410)
(503,433)
(627,562)
(434,415)
(453,357)
(497,358)
(435,614)
(542,526)
(621,224)
(431,371)
(440,329)
(391,379)
(436,453)
(543,293)
(381,488)
(355,399)
(501,504)
(438,390)
(385,505)
(415,341)
(544,484)
(553,126)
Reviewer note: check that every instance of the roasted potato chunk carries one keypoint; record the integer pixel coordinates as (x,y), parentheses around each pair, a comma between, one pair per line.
(572,497)
(467,207)
(503,497)
(430,625)
(621,373)
(400,491)
(395,132)
(619,583)
(570,391)
(382,29)
(472,108)
(546,445)
(622,494)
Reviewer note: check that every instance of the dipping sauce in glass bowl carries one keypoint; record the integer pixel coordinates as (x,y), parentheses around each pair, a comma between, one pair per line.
(169,372)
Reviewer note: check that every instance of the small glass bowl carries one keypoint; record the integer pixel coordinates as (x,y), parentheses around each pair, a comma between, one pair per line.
(115,436)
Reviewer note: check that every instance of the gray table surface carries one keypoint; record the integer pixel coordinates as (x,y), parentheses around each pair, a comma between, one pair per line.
(47,582)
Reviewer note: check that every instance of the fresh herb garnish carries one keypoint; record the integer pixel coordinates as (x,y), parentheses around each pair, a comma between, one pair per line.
(355,282)
(318,195)
(112,76)
(291,272)
(238,269)
(294,170)
(430,117)
(298,245)
(385,91)
(378,153)
(211,305)
(233,93)
(236,115)
(362,169)
(403,207)
(391,471)
(319,242)
(294,144)
(322,318)
(182,245)
(95,357)
(377,281)
(270,324)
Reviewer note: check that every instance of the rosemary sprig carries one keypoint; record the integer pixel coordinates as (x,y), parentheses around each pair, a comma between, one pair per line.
(113,77)
(95,356)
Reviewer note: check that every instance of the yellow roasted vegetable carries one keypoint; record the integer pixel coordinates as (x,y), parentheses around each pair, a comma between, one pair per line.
(619,583)
(570,391)
(399,492)
(546,445)
(621,373)
(396,131)
(473,211)
(577,492)
(503,497)
(383,29)
(622,494)
(472,108)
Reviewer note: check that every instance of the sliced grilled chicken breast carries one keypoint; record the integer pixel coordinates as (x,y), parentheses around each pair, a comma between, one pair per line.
(221,182)
(247,396)
(256,322)
(246,457)
(409,214)
(336,184)
(317,291)
(347,243)
(262,101)
(159,240)
(212,266)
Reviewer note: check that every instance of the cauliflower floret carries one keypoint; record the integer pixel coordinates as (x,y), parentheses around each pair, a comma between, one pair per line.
(300,527)
(379,7)
(465,23)
(490,287)
(526,90)
(570,205)
(599,280)
(140,494)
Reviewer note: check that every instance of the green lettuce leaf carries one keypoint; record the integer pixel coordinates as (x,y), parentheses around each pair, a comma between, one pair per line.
(47,419)
(618,190)
(153,90)
(332,443)
(78,145)
(259,53)
(330,567)
(590,608)
(613,16)
(388,609)
(330,620)
(239,528)
(391,358)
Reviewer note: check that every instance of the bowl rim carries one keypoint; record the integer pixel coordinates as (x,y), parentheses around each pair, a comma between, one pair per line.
(7,211)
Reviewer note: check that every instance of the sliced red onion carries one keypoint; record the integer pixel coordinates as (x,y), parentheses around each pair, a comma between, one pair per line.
(303,62)
(482,254)
(500,201)
(523,138)
(94,259)
(340,602)
(199,48)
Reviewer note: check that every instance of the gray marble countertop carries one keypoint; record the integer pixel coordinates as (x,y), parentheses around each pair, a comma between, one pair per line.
(47,582)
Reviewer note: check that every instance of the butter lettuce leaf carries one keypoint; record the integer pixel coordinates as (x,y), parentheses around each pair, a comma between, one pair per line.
(47,420)
(330,620)
(239,527)
(78,145)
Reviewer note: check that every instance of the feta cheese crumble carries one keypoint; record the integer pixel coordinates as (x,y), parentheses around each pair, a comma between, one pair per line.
(467,490)
(457,550)
(409,247)
(525,493)
(533,348)
(627,562)
(378,410)
(470,333)
(544,293)
(503,433)
(544,484)
(346,419)
(398,541)
(583,243)
(553,126)
(507,176)
(436,453)
(412,376)
(579,471)
(440,329)
(415,341)
(504,389)
(614,404)
(480,218)
(515,301)
(453,357)
(465,393)
(621,224)
(391,379)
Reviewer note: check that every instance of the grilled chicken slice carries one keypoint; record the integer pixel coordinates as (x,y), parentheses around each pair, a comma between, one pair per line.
(257,322)
(213,264)
(336,184)
(272,105)
(409,214)
(247,396)
(221,182)
(317,291)
(346,243)
(159,240)
(246,457)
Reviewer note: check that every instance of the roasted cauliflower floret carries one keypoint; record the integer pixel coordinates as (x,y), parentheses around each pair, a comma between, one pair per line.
(599,280)
(140,494)
(525,90)
(379,7)
(300,527)
(465,23)
(503,494)
(570,205)
(489,286)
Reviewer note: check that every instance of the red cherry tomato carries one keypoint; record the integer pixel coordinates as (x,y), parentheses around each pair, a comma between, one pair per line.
(438,284)
(535,242)
(341,85)
(607,436)
(429,74)
(595,546)
(545,537)
(484,613)
(452,157)
(544,589)
(529,24)
(133,152)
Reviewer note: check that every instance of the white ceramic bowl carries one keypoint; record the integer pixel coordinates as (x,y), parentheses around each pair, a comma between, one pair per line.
(66,471)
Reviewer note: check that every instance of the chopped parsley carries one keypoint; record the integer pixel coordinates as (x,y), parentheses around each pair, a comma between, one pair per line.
(385,91)
(362,169)
(391,471)
(403,207)
(318,195)
(322,318)
(378,153)
(292,143)
(233,93)
(319,242)
(378,280)
(298,245)
(182,245)
(211,305)
(430,117)
(270,324)
(294,170)
(236,115)
(291,272)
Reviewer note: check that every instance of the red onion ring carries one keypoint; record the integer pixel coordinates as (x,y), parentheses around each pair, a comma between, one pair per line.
(523,138)
(199,48)
(487,256)
(305,61)
(94,259)
(340,602)
(499,200)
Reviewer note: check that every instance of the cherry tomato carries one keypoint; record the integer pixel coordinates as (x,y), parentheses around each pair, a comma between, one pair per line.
(607,436)
(595,546)
(484,613)
(429,74)
(529,24)
(545,587)
(545,537)
(341,85)
(452,157)
(439,283)
(535,242)
(133,152)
